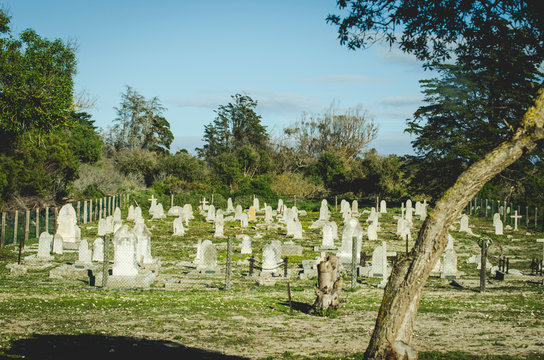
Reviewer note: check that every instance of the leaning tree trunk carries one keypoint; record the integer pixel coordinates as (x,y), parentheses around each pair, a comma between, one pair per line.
(329,286)
(395,322)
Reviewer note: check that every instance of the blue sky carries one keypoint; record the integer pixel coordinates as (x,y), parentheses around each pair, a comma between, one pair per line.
(193,55)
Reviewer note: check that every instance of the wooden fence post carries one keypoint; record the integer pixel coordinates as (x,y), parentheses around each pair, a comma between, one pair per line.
(3,238)
(46,219)
(56,217)
(15,224)
(78,213)
(27,224)
(37,223)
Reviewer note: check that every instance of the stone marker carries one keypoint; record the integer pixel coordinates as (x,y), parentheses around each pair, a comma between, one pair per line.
(124,263)
(251,214)
(84,255)
(58,244)
(143,244)
(246,245)
(350,230)
(383,207)
(208,254)
(230,208)
(67,227)
(130,215)
(179,230)
(516,217)
(98,250)
(44,246)
(499,230)
(328,237)
(463,226)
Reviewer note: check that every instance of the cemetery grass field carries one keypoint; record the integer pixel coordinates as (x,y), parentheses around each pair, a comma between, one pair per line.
(185,314)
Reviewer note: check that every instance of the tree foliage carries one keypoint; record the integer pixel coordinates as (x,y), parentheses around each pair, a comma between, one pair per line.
(36,82)
(140,124)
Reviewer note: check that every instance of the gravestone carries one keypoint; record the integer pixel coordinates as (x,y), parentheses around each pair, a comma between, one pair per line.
(383,207)
(153,205)
(143,244)
(499,230)
(269,264)
(372,232)
(98,250)
(251,214)
(188,210)
(246,245)
(203,205)
(230,208)
(84,254)
(44,246)
(516,217)
(58,245)
(409,213)
(463,225)
(351,229)
(238,212)
(211,214)
(379,261)
(256,205)
(324,216)
(289,248)
(219,224)
(244,222)
(124,248)
(328,237)
(67,227)
(208,262)
(117,215)
(138,214)
(496,217)
(130,215)
(158,213)
(179,230)
(268,214)
(280,206)
(355,208)
(198,257)
(449,264)
(175,211)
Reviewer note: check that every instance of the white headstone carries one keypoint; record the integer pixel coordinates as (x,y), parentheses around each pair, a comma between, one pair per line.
(516,217)
(130,215)
(57,244)
(383,207)
(269,264)
(219,224)
(98,250)
(280,206)
(159,212)
(67,225)
(44,245)
(496,217)
(246,245)
(351,229)
(354,208)
(463,226)
(175,211)
(268,214)
(230,208)
(244,222)
(84,254)
(143,245)
(211,214)
(208,255)
(379,261)
(124,248)
(238,212)
(328,236)
(138,214)
(372,232)
(117,215)
(256,204)
(179,230)
(324,211)
(499,230)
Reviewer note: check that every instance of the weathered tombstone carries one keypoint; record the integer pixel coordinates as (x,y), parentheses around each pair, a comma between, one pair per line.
(383,207)
(238,212)
(143,244)
(244,222)
(58,244)
(251,214)
(408,204)
(219,224)
(354,208)
(179,230)
(138,214)
(328,237)
(379,261)
(372,232)
(44,246)
(159,212)
(230,208)
(67,227)
(268,214)
(334,230)
(256,204)
(124,263)
(203,205)
(449,261)
(499,230)
(324,216)
(409,213)
(297,229)
(463,226)
(246,245)
(153,205)
(188,210)
(351,229)
(84,254)
(496,217)
(98,250)
(117,215)
(269,263)
(208,262)
(280,206)
(211,214)
(130,215)
(175,211)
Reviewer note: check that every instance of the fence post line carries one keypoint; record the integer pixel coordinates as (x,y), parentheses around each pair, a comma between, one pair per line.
(3,237)
(526,217)
(485,207)
(336,203)
(27,224)
(536,217)
(37,223)
(56,217)
(15,224)
(46,219)
(78,213)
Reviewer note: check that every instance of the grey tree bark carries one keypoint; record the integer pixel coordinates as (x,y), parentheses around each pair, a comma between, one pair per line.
(392,334)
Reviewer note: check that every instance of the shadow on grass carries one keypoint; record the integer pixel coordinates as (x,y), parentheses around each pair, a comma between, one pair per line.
(298,306)
(104,347)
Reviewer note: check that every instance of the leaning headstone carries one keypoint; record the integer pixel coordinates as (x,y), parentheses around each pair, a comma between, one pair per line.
(44,246)
(67,227)
(98,250)
(179,230)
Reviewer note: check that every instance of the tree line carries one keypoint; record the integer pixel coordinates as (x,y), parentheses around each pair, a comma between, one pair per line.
(51,151)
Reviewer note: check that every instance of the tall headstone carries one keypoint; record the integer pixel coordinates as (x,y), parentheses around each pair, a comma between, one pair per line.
(499,230)
(463,226)
(280,206)
(246,245)
(372,232)
(211,214)
(269,264)
(354,208)
(130,215)
(98,250)
(124,248)
(58,244)
(328,237)
(138,214)
(143,244)
(268,214)
(219,224)
(244,222)
(208,262)
(351,229)
(383,207)
(238,212)
(117,215)
(230,208)
(256,204)
(85,254)
(44,246)
(67,227)
(251,213)
(379,261)
(179,230)
(449,261)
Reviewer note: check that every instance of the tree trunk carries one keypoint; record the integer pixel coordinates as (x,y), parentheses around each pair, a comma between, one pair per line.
(328,286)
(392,334)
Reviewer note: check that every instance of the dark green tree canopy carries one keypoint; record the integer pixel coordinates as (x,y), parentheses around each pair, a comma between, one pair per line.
(433,30)
(237,124)
(36,84)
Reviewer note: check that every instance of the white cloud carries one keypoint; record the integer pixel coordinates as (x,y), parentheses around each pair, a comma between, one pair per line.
(401,101)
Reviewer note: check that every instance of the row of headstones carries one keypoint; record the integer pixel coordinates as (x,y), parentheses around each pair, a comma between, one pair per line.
(497,224)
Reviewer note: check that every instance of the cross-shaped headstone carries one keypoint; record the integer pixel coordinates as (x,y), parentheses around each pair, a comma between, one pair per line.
(152,198)
(515,217)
